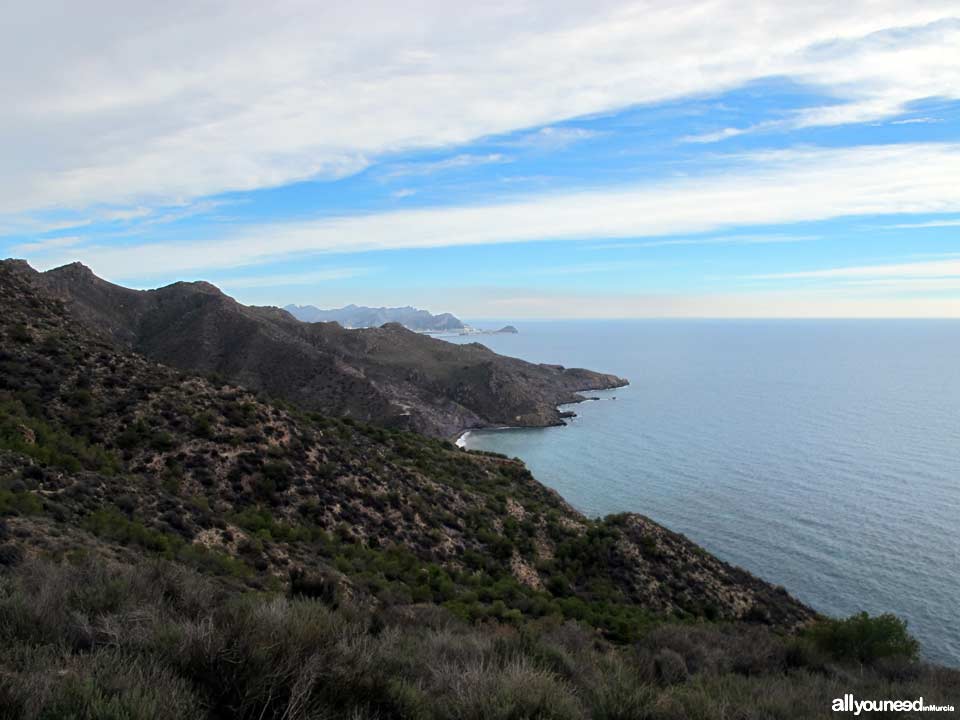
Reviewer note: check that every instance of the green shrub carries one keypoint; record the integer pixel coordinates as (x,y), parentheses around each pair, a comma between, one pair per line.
(21,333)
(864,638)
(156,641)
(48,444)
(19,503)
(203,426)
(110,523)
(212,561)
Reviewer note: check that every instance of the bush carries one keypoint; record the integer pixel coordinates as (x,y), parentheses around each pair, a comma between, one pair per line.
(22,431)
(10,555)
(111,524)
(865,639)
(21,333)
(203,426)
(670,667)
(19,503)
(157,641)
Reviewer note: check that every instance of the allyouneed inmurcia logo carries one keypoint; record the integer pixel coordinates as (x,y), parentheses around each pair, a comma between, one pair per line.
(850,704)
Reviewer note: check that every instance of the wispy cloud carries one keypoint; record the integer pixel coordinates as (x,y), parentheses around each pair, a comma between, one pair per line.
(43,246)
(787,123)
(718,135)
(125,214)
(930,269)
(553,138)
(110,221)
(721,240)
(287,279)
(916,121)
(763,189)
(947,222)
(26,225)
(231,99)
(457,162)
(589,268)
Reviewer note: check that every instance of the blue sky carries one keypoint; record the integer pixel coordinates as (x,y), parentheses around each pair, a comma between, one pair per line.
(728,160)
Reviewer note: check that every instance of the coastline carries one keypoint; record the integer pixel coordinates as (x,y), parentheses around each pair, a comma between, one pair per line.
(461,437)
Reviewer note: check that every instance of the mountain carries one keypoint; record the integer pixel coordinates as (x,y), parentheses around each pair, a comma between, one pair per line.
(357,316)
(389,375)
(176,546)
(180,451)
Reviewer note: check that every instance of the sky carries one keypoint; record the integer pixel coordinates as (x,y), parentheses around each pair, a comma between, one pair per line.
(496,159)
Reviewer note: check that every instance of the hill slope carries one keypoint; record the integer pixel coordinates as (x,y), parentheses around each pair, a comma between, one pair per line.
(205,467)
(388,375)
(395,575)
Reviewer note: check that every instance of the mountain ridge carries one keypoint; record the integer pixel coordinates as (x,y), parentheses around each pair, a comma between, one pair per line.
(360,316)
(388,375)
(108,442)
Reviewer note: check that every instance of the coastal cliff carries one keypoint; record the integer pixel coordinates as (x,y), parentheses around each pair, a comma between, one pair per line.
(387,375)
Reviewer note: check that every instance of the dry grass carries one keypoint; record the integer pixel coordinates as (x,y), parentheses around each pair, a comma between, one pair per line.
(158,641)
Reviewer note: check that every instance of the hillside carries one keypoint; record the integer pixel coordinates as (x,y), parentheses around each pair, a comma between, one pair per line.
(209,465)
(172,546)
(359,316)
(388,375)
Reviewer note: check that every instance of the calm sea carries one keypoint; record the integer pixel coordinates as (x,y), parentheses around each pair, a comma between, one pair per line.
(820,455)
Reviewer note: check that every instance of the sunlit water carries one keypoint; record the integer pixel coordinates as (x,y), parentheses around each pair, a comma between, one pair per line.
(821,455)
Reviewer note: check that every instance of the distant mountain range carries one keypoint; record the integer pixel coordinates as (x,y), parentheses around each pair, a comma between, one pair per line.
(388,375)
(359,316)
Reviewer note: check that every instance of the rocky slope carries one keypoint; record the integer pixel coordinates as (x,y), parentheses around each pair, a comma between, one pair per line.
(107,452)
(388,375)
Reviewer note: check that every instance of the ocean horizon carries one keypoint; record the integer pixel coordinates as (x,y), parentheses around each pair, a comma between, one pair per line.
(822,455)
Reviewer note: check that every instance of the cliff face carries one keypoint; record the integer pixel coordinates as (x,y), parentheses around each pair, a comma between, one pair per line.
(388,375)
(105,451)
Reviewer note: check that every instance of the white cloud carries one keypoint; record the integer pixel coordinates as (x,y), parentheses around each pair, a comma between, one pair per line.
(288,279)
(880,74)
(952,222)
(915,121)
(763,189)
(553,138)
(776,238)
(929,269)
(125,214)
(26,225)
(456,162)
(44,246)
(172,101)
(711,137)
(937,279)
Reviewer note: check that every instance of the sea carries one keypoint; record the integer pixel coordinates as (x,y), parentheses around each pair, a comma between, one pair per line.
(822,455)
